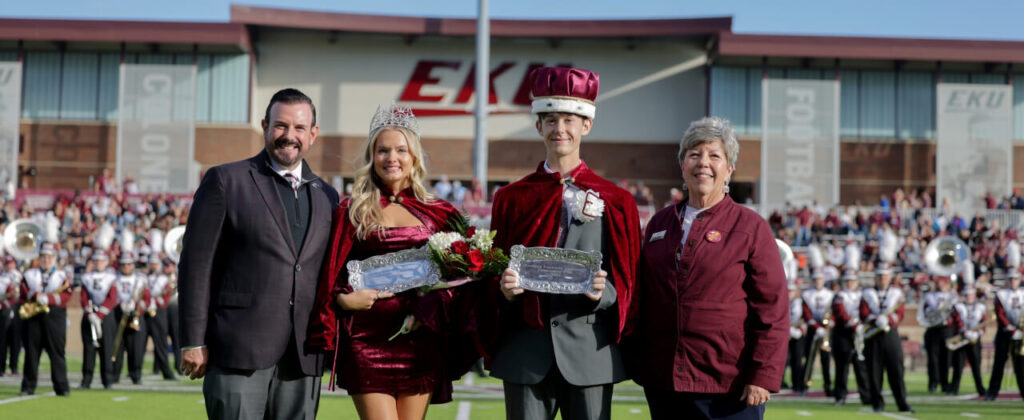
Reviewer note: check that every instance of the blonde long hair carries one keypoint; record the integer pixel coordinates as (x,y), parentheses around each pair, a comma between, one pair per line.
(365,211)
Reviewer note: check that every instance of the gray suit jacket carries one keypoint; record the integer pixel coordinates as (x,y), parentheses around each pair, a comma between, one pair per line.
(245,291)
(579,336)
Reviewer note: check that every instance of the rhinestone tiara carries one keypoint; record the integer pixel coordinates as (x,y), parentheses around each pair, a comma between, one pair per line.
(394,116)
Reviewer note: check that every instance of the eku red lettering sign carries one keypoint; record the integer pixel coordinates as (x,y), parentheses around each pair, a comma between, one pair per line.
(431,72)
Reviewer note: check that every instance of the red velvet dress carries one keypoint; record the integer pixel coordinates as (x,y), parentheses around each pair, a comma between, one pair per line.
(411,363)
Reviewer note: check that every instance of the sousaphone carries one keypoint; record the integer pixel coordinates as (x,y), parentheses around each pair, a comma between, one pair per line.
(946,256)
(173,243)
(22,239)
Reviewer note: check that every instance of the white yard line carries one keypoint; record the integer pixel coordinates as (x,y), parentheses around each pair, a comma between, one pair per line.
(897,416)
(26,398)
(972,415)
(465,406)
(804,413)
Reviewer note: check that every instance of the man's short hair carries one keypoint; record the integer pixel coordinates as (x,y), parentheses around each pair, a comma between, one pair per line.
(289,96)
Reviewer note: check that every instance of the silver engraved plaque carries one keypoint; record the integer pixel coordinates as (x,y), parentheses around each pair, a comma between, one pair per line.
(555,270)
(394,272)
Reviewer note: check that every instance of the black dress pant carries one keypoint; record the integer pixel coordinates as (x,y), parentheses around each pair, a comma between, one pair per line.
(105,351)
(10,354)
(972,354)
(842,346)
(796,364)
(134,343)
(1006,348)
(671,405)
(156,330)
(939,357)
(46,331)
(884,354)
(824,360)
(5,323)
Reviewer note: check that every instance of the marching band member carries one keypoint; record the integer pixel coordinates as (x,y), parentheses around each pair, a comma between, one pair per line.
(161,290)
(10,293)
(797,330)
(882,309)
(171,271)
(968,319)
(846,309)
(1009,308)
(817,303)
(933,315)
(99,296)
(47,287)
(132,298)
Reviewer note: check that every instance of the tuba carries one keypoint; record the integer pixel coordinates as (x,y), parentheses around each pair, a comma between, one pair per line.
(789,263)
(174,242)
(946,256)
(22,239)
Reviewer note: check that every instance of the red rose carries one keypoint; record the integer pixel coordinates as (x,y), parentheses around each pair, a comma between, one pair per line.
(475,260)
(471,231)
(460,247)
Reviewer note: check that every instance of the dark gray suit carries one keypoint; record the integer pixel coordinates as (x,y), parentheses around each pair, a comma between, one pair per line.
(249,270)
(577,344)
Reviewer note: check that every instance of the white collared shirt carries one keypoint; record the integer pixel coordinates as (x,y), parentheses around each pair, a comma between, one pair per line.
(297,172)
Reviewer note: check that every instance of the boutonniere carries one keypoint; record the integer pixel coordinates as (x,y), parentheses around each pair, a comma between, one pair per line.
(588,206)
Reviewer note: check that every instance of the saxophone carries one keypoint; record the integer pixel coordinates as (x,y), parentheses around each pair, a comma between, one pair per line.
(957,341)
(33,308)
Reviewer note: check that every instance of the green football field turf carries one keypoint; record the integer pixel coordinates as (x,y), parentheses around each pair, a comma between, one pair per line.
(182,399)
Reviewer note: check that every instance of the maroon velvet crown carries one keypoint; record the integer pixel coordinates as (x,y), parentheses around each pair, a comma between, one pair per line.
(564,81)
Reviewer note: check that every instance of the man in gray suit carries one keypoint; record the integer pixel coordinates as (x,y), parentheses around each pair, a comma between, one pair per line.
(559,352)
(256,237)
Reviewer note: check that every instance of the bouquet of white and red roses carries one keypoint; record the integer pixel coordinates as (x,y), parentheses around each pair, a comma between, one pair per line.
(465,253)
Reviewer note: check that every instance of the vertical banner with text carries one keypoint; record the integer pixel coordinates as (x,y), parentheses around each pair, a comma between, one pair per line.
(156,127)
(974,144)
(10,116)
(799,142)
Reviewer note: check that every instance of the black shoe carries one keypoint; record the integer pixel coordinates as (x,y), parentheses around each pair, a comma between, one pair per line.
(828,392)
(840,401)
(990,397)
(802,393)
(84,385)
(26,393)
(784,386)
(64,393)
(908,410)
(136,381)
(878,409)
(108,386)
(931,389)
(951,393)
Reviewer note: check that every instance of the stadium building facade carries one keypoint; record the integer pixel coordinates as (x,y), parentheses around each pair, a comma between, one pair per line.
(657,76)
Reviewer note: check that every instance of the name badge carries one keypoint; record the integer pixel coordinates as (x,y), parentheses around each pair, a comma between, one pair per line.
(658,236)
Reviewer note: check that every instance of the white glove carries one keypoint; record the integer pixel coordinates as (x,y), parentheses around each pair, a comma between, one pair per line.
(859,329)
(819,333)
(152,306)
(882,322)
(41,298)
(971,335)
(128,306)
(1017,335)
(795,333)
(94,319)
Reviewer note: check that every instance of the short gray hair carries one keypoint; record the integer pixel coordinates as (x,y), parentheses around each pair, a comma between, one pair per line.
(709,129)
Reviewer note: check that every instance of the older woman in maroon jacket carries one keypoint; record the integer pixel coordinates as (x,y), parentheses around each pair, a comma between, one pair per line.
(710,320)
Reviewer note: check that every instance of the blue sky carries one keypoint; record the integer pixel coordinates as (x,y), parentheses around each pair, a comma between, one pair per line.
(971,19)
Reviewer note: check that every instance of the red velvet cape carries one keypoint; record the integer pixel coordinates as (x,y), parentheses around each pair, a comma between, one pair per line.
(323,333)
(527,212)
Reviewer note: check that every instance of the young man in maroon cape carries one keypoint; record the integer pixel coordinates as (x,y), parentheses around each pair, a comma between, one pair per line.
(557,351)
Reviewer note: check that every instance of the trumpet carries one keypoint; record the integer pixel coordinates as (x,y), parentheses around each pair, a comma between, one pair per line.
(33,308)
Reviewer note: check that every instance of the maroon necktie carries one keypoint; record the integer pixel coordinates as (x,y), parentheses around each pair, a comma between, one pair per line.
(294,183)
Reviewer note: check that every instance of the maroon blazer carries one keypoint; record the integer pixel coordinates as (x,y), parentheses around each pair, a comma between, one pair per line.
(719,320)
